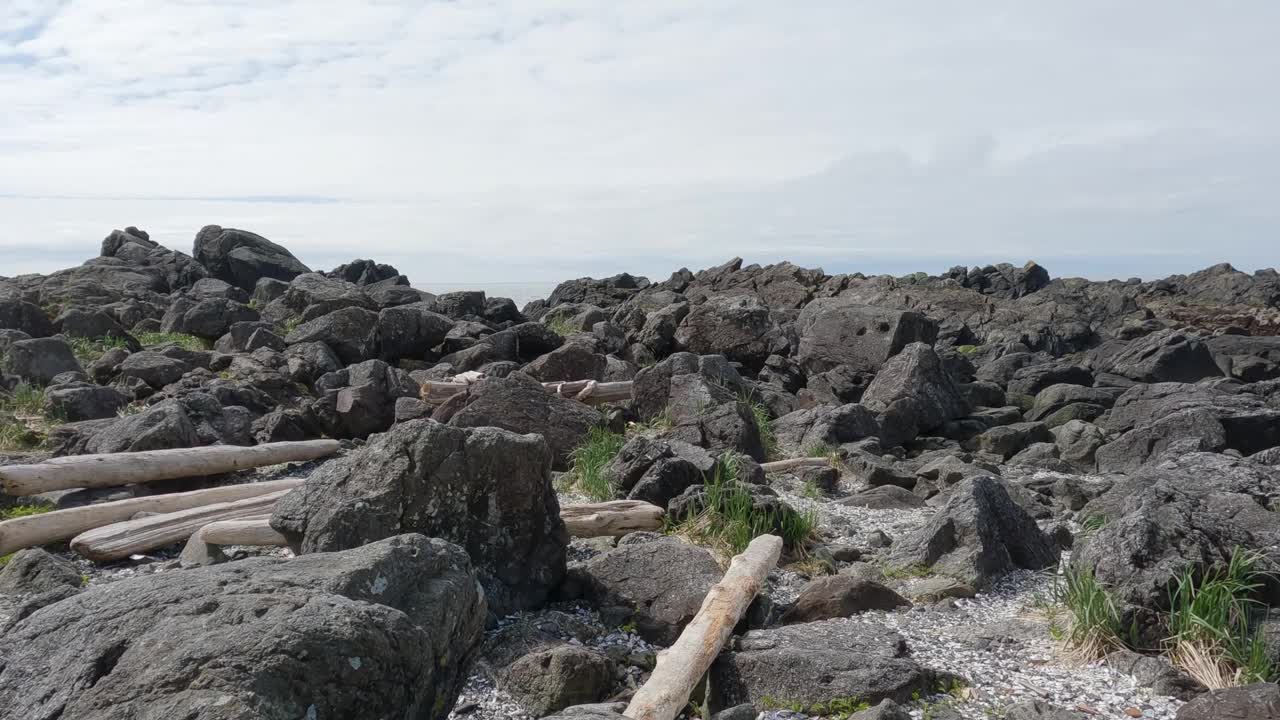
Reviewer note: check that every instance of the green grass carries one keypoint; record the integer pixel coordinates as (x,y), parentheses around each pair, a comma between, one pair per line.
(838,708)
(289,326)
(662,421)
(186,342)
(562,325)
(764,426)
(908,571)
(88,350)
(26,399)
(15,436)
(18,511)
(1212,629)
(729,519)
(826,450)
(588,461)
(811,490)
(1094,625)
(967,349)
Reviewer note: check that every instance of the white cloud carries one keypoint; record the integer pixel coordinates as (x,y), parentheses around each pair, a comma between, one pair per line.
(662,132)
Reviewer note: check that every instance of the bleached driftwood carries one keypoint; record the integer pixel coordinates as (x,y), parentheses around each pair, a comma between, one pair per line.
(204,547)
(588,391)
(61,525)
(793,463)
(681,667)
(114,469)
(113,542)
(614,519)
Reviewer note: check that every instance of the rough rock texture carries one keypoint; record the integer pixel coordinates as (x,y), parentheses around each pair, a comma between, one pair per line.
(40,360)
(549,680)
(737,325)
(814,663)
(659,585)
(805,430)
(1260,701)
(837,596)
(485,489)
(241,258)
(980,534)
(656,470)
(913,393)
(34,571)
(838,331)
(1165,356)
(380,631)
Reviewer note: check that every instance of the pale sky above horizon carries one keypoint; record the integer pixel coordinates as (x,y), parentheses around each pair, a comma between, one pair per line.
(535,140)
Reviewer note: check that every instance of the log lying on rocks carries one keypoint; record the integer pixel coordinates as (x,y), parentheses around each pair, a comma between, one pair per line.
(681,667)
(205,546)
(613,519)
(121,540)
(62,525)
(793,463)
(587,391)
(114,469)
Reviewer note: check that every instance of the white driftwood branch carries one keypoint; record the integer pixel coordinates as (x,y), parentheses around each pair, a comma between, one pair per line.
(114,469)
(205,546)
(614,519)
(587,391)
(681,667)
(62,525)
(121,540)
(793,463)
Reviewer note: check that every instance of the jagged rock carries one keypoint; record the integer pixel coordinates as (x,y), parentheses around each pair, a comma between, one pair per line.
(309,361)
(837,596)
(17,314)
(154,368)
(208,318)
(656,470)
(1032,379)
(1165,356)
(659,585)
(737,325)
(40,360)
(1260,701)
(913,394)
(815,663)
(1190,430)
(702,396)
(1078,442)
(242,258)
(1008,440)
(34,571)
(980,534)
(805,430)
(568,362)
(385,630)
(837,331)
(605,292)
(410,331)
(351,333)
(1055,398)
(486,489)
(84,401)
(546,681)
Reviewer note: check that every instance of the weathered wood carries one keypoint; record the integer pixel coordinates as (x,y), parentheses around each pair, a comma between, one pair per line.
(587,391)
(121,540)
(62,525)
(793,463)
(613,519)
(681,667)
(110,470)
(253,531)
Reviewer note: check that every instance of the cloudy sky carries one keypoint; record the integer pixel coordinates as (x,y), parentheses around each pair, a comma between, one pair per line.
(533,140)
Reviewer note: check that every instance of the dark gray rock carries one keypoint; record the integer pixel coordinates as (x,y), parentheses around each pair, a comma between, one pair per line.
(1032,379)
(568,362)
(913,394)
(1191,430)
(1008,440)
(659,585)
(208,318)
(485,489)
(385,630)
(1164,356)
(838,331)
(351,332)
(837,596)
(1260,701)
(737,325)
(1056,397)
(825,427)
(814,663)
(656,470)
(40,360)
(34,571)
(1157,673)
(85,401)
(17,314)
(980,534)
(154,368)
(410,331)
(702,396)
(242,258)
(549,680)
(884,497)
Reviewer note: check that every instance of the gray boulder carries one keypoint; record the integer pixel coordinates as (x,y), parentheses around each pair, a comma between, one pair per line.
(979,535)
(410,331)
(40,360)
(1008,440)
(838,596)
(208,318)
(1032,379)
(34,571)
(804,430)
(839,331)
(1164,356)
(571,361)
(737,325)
(1260,701)
(1078,442)
(385,630)
(18,314)
(154,368)
(552,679)
(485,489)
(84,401)
(656,470)
(814,663)
(242,258)
(351,332)
(913,393)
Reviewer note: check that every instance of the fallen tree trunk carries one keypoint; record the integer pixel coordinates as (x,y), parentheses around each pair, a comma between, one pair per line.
(121,540)
(681,667)
(205,546)
(793,463)
(613,519)
(587,391)
(61,525)
(111,470)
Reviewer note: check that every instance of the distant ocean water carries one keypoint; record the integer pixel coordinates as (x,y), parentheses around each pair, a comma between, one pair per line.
(520,293)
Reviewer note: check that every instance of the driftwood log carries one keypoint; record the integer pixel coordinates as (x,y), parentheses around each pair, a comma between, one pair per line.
(793,463)
(204,547)
(114,469)
(587,391)
(613,519)
(62,525)
(113,542)
(681,667)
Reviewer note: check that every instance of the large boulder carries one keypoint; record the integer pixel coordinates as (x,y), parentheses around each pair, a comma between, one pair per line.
(351,332)
(979,535)
(656,470)
(837,596)
(208,318)
(1260,701)
(1193,429)
(839,331)
(520,404)
(1164,356)
(18,314)
(703,397)
(362,398)
(552,679)
(913,393)
(154,368)
(824,427)
(659,585)
(1032,379)
(385,630)
(241,258)
(410,331)
(34,571)
(84,401)
(737,325)
(572,361)
(486,489)
(813,663)
(40,360)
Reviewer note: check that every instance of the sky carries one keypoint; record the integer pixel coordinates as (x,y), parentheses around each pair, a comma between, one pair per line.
(476,141)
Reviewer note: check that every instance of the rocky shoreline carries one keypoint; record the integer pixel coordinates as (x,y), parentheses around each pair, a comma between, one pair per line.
(1020,485)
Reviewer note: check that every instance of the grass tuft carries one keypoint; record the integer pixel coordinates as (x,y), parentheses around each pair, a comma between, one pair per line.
(89,350)
(18,511)
(826,450)
(588,462)
(662,421)
(1094,626)
(26,399)
(1212,632)
(184,341)
(562,326)
(764,425)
